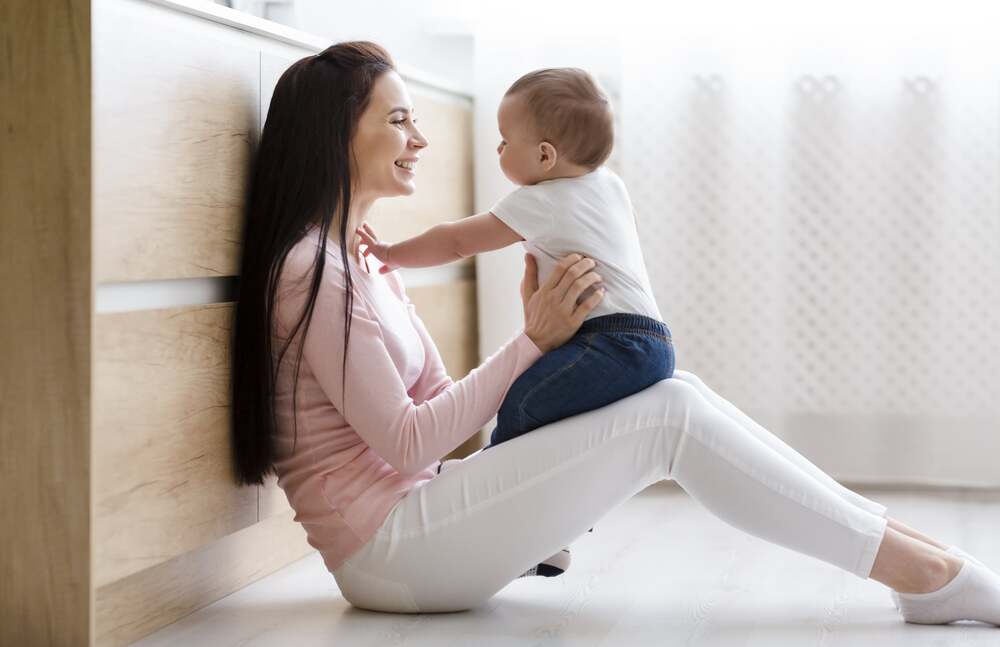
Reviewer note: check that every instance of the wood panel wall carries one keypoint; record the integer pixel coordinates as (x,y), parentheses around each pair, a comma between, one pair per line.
(45,323)
(178,105)
(175,117)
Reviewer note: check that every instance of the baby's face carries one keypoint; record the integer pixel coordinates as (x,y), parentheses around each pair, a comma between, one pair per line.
(520,156)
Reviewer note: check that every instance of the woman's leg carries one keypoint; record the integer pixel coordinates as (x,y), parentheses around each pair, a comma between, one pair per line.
(775,443)
(785,450)
(901,527)
(456,540)
(898,551)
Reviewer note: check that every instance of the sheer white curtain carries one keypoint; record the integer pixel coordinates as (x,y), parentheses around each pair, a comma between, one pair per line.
(821,223)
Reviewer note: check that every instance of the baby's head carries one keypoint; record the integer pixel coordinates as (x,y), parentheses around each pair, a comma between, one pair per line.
(555,122)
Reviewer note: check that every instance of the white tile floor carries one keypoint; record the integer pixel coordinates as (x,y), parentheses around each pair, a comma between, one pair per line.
(659,570)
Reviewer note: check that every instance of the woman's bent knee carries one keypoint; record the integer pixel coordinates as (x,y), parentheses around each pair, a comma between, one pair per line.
(689,377)
(675,391)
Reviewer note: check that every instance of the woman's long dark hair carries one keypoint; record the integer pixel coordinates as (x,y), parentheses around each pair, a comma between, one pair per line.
(301,176)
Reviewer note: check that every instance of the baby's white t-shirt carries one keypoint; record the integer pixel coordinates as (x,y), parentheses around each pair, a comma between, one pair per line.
(590,215)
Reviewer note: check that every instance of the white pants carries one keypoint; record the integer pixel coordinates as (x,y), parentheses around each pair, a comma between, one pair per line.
(438,549)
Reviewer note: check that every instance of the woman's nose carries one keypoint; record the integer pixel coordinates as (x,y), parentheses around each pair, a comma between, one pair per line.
(499,148)
(418,140)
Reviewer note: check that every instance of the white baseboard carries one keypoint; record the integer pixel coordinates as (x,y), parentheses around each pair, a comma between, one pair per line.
(933,451)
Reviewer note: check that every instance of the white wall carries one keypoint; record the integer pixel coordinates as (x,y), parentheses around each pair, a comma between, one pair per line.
(819,201)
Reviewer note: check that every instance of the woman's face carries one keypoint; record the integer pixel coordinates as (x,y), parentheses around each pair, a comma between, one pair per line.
(387,144)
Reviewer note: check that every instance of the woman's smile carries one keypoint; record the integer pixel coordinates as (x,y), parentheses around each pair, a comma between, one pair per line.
(408,167)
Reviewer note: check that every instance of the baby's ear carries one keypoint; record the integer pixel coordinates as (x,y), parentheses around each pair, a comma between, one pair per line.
(547,155)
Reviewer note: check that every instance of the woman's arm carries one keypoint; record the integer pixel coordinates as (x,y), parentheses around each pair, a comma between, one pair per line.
(371,394)
(442,243)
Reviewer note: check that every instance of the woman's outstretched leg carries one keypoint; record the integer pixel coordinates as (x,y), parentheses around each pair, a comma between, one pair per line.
(798,459)
(778,445)
(750,485)
(736,475)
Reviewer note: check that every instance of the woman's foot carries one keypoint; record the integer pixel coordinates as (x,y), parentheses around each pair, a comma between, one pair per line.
(954,550)
(973,593)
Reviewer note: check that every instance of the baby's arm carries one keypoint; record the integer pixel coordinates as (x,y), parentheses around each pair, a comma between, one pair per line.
(481,233)
(443,243)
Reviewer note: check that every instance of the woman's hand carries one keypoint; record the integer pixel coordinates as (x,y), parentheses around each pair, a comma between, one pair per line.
(376,248)
(551,313)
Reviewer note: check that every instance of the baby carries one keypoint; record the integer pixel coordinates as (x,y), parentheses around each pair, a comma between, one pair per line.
(557,130)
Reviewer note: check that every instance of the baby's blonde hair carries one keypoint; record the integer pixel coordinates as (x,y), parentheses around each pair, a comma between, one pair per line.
(570,111)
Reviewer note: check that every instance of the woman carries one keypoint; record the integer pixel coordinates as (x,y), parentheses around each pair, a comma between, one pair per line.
(359,407)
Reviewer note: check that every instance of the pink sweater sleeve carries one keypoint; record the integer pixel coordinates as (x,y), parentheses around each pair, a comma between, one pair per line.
(408,436)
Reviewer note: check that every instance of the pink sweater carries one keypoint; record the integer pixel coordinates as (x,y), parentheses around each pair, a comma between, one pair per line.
(350,466)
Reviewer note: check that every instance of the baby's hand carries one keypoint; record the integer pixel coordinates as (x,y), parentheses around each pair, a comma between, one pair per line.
(379,249)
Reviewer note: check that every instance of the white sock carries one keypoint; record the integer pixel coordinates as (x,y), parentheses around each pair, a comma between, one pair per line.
(954,550)
(973,594)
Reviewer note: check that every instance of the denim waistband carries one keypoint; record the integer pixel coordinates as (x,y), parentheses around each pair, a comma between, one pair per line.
(625,322)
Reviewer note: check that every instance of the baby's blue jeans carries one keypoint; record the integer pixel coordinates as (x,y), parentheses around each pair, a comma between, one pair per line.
(609,358)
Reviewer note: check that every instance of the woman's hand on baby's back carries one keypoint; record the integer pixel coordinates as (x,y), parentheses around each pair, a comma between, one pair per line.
(376,248)
(551,312)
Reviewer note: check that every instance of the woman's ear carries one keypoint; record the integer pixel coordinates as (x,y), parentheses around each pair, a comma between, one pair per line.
(547,156)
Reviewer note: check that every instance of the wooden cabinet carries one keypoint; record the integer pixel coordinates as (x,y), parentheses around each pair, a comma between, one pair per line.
(124,170)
